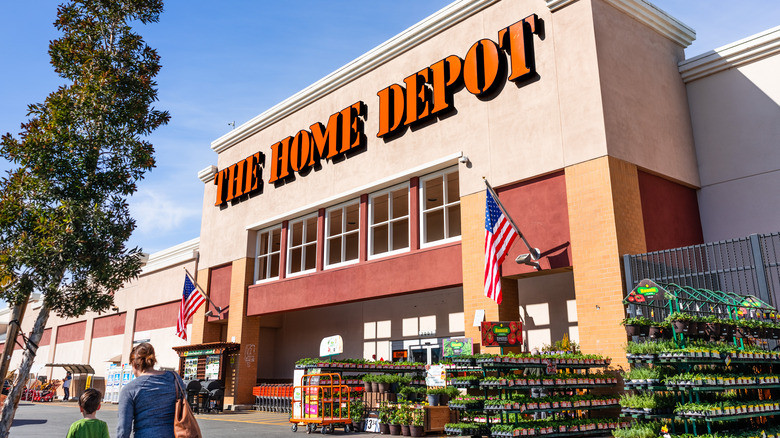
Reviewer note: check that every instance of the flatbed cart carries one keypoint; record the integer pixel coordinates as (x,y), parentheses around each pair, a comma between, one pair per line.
(321,400)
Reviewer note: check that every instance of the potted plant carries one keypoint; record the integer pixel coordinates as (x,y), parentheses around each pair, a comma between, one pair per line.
(657,329)
(368,383)
(449,393)
(727,328)
(680,321)
(434,395)
(711,327)
(383,382)
(385,415)
(405,419)
(357,411)
(632,325)
(418,420)
(395,422)
(410,393)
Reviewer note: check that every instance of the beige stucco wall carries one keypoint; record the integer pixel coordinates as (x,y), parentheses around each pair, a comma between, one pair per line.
(645,107)
(735,115)
(574,111)
(161,281)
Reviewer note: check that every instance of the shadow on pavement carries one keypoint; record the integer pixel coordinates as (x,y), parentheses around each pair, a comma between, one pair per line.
(22,422)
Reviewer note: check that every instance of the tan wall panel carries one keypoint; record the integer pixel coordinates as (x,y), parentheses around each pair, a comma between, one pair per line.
(646,113)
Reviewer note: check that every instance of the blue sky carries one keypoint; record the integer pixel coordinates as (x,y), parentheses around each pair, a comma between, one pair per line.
(231,60)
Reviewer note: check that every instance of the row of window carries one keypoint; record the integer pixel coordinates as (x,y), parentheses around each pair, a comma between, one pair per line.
(388,228)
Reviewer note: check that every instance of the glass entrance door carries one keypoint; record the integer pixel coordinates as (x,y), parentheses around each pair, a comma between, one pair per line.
(427,354)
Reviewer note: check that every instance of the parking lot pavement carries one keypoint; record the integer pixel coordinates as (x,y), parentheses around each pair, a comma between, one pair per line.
(36,420)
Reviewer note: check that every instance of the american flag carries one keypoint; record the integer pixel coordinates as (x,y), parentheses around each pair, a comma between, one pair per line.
(499,235)
(191,299)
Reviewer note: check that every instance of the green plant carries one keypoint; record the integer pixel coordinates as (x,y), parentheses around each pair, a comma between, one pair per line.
(679,316)
(452,391)
(418,417)
(638,320)
(436,390)
(357,411)
(386,412)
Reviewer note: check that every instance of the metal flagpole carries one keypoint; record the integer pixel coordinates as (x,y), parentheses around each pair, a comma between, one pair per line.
(533,251)
(200,290)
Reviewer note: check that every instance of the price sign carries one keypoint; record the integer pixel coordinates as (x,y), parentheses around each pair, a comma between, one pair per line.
(371,425)
(552,368)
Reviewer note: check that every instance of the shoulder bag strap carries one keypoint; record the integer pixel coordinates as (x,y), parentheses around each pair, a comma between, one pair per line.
(179,389)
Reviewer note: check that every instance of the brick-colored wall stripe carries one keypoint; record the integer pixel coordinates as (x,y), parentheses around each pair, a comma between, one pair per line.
(110,325)
(605,217)
(46,338)
(71,332)
(157,317)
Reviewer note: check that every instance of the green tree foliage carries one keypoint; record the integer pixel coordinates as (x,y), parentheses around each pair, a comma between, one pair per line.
(64,218)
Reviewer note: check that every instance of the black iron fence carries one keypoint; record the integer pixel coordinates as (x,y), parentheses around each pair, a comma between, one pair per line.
(746,266)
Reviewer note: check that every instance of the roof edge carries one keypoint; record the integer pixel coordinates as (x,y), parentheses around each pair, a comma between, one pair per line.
(736,54)
(404,41)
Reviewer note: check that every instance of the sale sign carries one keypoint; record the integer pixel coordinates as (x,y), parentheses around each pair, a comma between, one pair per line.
(502,333)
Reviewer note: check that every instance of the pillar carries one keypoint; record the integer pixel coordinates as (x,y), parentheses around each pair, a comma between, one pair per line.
(245,331)
(605,220)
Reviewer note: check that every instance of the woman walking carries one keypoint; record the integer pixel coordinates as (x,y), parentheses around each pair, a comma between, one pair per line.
(146,404)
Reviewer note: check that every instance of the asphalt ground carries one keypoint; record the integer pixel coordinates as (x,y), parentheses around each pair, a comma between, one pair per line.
(53,419)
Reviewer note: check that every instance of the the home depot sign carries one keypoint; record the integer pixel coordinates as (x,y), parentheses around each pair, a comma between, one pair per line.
(425,94)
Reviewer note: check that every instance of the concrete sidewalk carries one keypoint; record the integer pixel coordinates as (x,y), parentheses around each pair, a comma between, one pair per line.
(36,420)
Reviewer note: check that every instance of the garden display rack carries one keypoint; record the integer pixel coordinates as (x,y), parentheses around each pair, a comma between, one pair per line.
(687,312)
(703,376)
(546,394)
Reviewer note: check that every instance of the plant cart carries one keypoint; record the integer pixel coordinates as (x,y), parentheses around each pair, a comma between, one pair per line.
(321,400)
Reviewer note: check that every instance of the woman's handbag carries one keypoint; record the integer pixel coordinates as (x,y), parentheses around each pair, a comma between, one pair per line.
(184,423)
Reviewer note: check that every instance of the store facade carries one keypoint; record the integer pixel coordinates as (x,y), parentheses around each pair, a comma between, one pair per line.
(356,207)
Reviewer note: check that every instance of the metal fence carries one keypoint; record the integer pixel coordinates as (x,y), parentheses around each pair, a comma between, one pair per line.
(746,266)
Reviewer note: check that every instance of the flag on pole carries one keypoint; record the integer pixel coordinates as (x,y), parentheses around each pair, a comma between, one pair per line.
(499,236)
(191,300)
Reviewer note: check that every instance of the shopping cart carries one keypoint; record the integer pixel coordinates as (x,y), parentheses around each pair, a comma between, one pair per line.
(47,392)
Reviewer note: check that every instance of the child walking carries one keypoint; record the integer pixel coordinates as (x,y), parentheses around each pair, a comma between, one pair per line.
(89,426)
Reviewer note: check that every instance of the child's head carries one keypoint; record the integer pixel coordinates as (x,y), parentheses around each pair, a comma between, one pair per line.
(89,402)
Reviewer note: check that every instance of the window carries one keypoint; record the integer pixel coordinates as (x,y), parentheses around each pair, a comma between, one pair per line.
(302,245)
(267,253)
(389,221)
(341,229)
(440,207)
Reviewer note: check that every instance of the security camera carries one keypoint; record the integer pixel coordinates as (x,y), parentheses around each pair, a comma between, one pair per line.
(463,159)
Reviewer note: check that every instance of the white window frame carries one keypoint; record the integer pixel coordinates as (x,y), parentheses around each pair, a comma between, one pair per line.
(372,225)
(268,255)
(443,207)
(343,206)
(290,248)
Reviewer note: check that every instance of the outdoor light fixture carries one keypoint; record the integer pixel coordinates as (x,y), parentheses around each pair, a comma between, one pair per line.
(528,259)
(219,312)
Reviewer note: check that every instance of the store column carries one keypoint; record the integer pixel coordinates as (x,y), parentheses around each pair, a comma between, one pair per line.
(473,256)
(245,331)
(605,217)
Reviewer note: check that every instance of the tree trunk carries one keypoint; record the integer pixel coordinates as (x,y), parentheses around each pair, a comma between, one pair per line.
(17,314)
(9,408)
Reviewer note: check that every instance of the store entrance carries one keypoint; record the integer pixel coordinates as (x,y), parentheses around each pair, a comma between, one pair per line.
(428,354)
